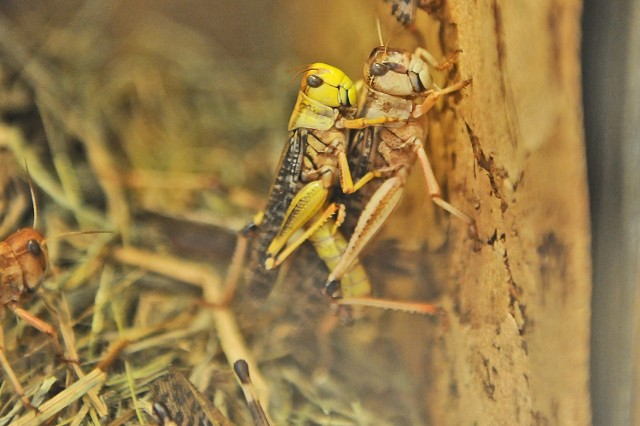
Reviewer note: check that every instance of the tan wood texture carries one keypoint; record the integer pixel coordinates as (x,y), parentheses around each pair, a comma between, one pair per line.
(517,351)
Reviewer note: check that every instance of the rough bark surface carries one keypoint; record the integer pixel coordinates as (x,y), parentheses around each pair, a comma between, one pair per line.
(516,351)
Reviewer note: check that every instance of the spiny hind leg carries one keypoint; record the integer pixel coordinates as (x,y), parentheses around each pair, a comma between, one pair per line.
(374,215)
(355,288)
(426,56)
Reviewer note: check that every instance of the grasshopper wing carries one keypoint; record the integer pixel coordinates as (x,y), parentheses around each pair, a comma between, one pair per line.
(284,188)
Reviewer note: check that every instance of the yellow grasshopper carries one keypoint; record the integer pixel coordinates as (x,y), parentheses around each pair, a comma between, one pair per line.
(398,91)
(313,162)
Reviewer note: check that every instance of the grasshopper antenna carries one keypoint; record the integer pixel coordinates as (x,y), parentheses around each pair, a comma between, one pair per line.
(241,369)
(72,233)
(379,29)
(33,195)
(380,39)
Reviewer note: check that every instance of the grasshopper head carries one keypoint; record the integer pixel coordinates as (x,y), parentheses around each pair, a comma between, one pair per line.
(31,253)
(396,72)
(329,86)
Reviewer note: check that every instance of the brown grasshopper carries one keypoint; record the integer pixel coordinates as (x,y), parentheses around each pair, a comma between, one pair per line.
(399,90)
(24,261)
(23,264)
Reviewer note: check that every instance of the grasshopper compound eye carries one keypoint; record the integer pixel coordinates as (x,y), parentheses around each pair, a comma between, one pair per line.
(27,250)
(396,67)
(314,81)
(34,248)
(378,69)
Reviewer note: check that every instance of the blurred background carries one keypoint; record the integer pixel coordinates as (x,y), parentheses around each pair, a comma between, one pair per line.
(611,66)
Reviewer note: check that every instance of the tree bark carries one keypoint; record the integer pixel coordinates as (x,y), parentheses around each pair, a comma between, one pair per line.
(517,350)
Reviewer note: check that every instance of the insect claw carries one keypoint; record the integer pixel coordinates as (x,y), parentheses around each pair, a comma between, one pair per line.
(444,317)
(249,229)
(450,61)
(333,290)
(472,233)
(269,261)
(473,230)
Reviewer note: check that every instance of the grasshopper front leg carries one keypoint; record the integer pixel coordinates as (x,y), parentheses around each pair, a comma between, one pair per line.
(361,123)
(11,375)
(434,190)
(434,95)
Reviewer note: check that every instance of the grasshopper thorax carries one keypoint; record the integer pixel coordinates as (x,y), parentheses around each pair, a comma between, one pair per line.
(397,72)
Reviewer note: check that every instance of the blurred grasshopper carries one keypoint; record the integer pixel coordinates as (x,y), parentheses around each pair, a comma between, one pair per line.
(178,402)
(23,264)
(399,90)
(24,261)
(405,10)
(313,163)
